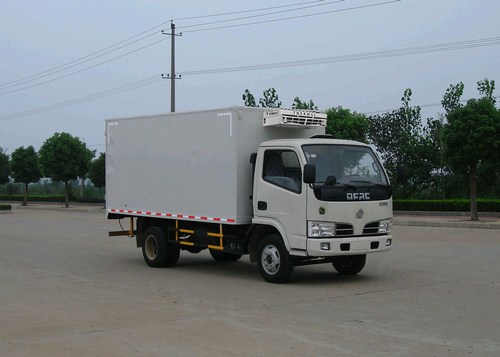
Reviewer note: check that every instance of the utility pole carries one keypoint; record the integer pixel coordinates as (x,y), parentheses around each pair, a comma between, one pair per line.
(172,76)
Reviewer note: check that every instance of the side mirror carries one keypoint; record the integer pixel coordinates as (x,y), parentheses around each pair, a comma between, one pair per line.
(309,173)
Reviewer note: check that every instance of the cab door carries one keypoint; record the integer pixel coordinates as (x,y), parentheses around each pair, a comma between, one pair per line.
(280,194)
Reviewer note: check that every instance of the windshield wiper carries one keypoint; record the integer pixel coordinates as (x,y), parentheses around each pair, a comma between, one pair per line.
(331,181)
(345,184)
(371,182)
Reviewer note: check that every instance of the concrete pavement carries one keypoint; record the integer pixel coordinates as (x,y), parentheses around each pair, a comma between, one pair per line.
(67,289)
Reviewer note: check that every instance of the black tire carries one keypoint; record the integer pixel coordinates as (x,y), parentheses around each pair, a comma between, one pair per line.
(349,264)
(157,252)
(224,257)
(275,264)
(173,255)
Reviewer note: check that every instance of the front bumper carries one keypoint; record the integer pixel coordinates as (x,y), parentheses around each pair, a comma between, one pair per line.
(325,247)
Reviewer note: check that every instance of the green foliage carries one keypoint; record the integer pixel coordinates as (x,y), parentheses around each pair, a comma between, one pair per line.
(24,165)
(270,99)
(5,207)
(4,167)
(64,158)
(471,138)
(451,98)
(298,104)
(402,140)
(97,171)
(472,135)
(486,89)
(36,198)
(249,99)
(344,124)
(25,168)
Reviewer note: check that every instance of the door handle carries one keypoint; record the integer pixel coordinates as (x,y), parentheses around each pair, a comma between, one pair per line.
(261,205)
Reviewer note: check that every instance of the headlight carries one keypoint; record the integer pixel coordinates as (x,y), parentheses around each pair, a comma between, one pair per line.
(320,229)
(385,227)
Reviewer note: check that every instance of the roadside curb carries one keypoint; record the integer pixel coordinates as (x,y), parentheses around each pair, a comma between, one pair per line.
(452,223)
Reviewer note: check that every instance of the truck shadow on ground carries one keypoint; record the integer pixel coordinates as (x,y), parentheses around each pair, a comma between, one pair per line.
(247,271)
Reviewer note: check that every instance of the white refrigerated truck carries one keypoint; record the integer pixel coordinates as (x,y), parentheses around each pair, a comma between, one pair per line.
(259,181)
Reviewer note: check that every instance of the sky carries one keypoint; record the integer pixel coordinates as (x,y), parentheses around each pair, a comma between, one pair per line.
(66,66)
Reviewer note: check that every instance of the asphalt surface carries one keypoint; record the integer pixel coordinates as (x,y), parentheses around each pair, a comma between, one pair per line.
(66,289)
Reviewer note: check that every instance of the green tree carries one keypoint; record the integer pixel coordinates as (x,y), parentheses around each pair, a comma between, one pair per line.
(25,168)
(249,99)
(64,158)
(472,137)
(97,171)
(298,104)
(4,167)
(344,124)
(451,98)
(486,89)
(396,135)
(270,99)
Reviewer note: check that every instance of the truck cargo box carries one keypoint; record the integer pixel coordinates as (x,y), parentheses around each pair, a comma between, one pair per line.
(193,165)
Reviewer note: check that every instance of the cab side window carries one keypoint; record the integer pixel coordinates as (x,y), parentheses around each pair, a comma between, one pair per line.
(282,168)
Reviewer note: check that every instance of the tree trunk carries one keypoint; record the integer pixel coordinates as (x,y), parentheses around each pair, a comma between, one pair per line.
(66,194)
(25,202)
(473,193)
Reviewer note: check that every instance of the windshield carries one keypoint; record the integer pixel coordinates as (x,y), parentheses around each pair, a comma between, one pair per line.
(355,165)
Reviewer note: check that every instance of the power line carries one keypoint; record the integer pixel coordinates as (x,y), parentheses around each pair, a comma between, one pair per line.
(353,57)
(484,42)
(82,70)
(113,48)
(294,17)
(421,106)
(244,11)
(80,100)
(91,54)
(126,42)
(74,64)
(260,15)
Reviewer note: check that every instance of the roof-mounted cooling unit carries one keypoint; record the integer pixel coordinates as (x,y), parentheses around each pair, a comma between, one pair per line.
(293,118)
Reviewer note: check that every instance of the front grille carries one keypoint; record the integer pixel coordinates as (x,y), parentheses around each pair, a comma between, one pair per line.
(371,228)
(344,229)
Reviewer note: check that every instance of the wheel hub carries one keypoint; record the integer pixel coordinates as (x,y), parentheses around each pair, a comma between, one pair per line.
(270,259)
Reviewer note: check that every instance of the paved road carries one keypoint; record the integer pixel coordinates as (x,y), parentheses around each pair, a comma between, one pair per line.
(66,289)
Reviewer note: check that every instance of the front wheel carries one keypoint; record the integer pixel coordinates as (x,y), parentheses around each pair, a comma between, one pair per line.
(349,264)
(275,264)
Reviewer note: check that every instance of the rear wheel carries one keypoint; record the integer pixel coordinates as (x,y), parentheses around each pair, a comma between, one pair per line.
(349,264)
(275,264)
(157,252)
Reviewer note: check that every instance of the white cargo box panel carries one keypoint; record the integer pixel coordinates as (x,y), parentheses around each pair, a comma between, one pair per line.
(193,165)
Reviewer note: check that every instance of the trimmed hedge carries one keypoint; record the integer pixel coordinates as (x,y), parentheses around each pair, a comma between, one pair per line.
(457,205)
(5,207)
(34,198)
(53,198)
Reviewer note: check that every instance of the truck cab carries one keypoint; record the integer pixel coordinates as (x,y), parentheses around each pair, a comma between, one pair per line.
(327,199)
